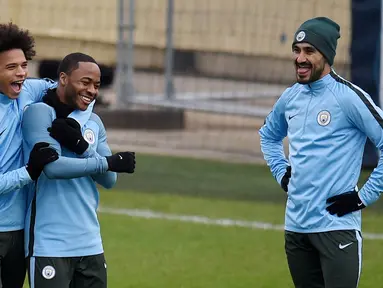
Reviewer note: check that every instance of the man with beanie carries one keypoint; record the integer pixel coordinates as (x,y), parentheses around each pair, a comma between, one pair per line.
(327,120)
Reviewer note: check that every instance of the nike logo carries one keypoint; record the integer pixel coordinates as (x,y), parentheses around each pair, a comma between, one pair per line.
(344,246)
(3,131)
(291,117)
(78,141)
(360,204)
(120,156)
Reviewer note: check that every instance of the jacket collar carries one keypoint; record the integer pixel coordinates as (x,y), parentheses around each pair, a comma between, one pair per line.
(319,84)
(4,100)
(51,99)
(63,110)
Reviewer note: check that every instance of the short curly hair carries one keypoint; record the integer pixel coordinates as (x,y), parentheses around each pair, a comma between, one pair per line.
(71,62)
(12,37)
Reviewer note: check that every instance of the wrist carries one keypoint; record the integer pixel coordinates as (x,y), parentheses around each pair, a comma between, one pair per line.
(87,153)
(82,146)
(31,172)
(25,173)
(106,163)
(360,195)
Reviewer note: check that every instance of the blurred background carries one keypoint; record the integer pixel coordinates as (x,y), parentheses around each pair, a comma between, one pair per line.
(195,79)
(193,76)
(201,75)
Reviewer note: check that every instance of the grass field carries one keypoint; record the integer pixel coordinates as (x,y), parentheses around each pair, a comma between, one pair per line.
(155,252)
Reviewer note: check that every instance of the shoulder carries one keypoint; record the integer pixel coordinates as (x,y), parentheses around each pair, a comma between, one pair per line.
(37,115)
(292,90)
(97,120)
(40,109)
(288,93)
(33,89)
(94,117)
(99,125)
(31,83)
(346,92)
(37,80)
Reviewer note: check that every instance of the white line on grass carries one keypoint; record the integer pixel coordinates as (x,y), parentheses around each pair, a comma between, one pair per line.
(149,214)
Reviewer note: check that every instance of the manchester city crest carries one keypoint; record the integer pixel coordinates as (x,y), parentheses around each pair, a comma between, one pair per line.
(300,36)
(48,272)
(89,136)
(324,118)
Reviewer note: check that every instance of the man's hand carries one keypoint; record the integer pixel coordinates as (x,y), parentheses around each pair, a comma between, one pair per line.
(286,178)
(344,203)
(67,132)
(40,155)
(122,162)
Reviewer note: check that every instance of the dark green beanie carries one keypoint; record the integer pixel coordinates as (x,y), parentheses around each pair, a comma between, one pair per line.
(322,33)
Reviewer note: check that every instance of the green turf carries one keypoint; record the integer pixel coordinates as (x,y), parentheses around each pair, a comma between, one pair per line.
(165,254)
(201,178)
(162,253)
(206,178)
(214,208)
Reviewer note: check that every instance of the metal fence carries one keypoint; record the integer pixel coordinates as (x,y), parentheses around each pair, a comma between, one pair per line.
(222,62)
(237,40)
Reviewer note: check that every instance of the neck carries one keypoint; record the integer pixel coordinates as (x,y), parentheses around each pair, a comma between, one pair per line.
(326,71)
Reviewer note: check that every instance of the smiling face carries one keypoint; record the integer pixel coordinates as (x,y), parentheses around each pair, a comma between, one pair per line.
(13,72)
(81,85)
(310,64)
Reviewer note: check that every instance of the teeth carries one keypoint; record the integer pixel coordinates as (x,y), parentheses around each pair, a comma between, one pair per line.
(86,99)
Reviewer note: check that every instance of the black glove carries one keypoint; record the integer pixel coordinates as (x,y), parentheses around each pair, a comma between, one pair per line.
(286,178)
(67,132)
(122,162)
(40,155)
(344,203)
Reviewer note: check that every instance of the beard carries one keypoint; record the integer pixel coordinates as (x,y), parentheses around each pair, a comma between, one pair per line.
(315,74)
(70,96)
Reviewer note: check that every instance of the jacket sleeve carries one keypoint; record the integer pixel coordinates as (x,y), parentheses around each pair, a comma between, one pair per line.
(272,134)
(36,119)
(35,89)
(109,178)
(14,180)
(362,112)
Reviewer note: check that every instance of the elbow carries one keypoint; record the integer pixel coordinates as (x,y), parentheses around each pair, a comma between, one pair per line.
(49,172)
(108,186)
(260,132)
(111,181)
(263,136)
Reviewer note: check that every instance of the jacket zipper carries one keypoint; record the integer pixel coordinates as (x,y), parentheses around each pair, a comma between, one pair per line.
(307,111)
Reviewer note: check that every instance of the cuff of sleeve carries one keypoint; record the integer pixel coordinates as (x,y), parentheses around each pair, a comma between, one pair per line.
(362,198)
(105,166)
(24,175)
(279,178)
(87,153)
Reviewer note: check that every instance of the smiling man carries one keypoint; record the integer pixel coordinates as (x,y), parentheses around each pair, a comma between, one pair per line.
(16,91)
(327,120)
(63,240)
